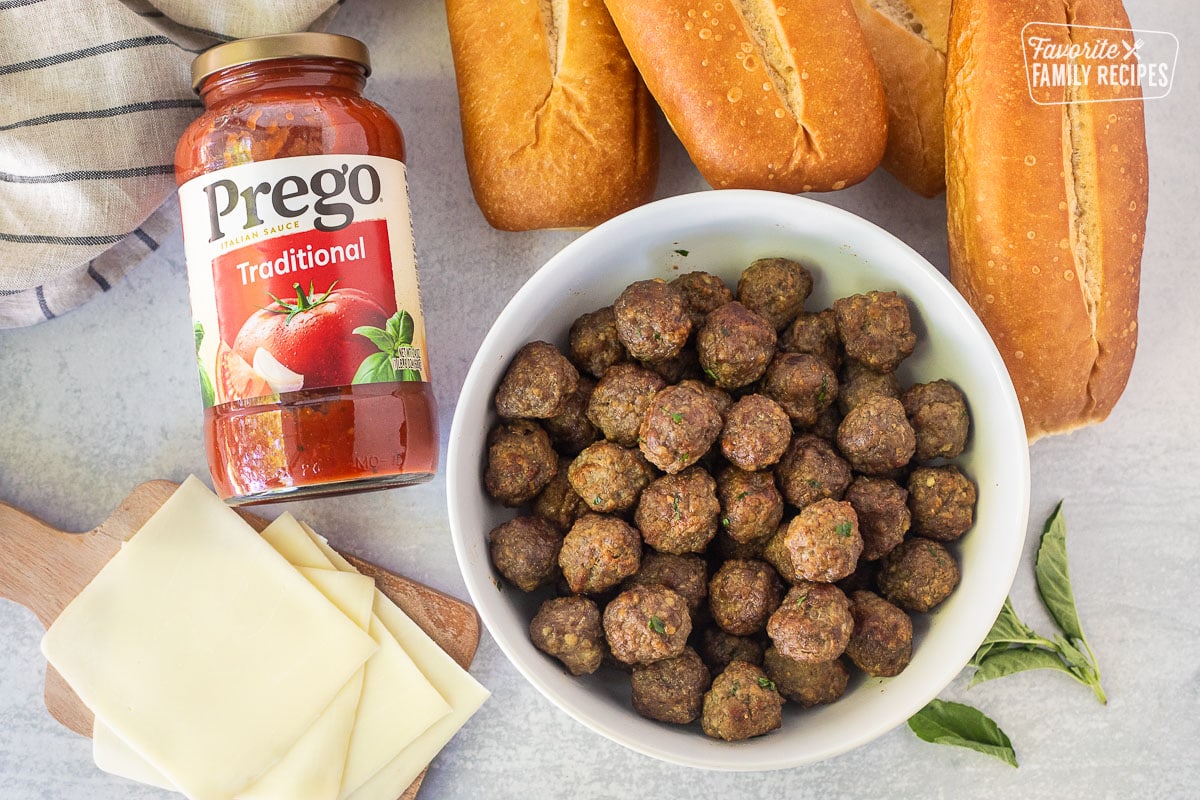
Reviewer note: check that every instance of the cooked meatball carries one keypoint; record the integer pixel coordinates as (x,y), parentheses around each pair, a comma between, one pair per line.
(813,623)
(859,383)
(918,574)
(826,425)
(568,628)
(724,547)
(751,505)
(823,542)
(652,320)
(679,427)
(741,704)
(683,365)
(942,501)
(863,577)
(938,414)
(735,346)
(525,551)
(679,513)
(686,575)
(644,624)
(875,436)
(598,553)
(881,644)
(593,343)
(702,292)
(775,553)
(756,432)
(808,683)
(815,334)
(811,470)
(775,288)
(570,430)
(883,516)
(521,461)
(609,477)
(875,329)
(742,594)
(671,690)
(537,383)
(558,503)
(720,398)
(620,400)
(719,647)
(802,384)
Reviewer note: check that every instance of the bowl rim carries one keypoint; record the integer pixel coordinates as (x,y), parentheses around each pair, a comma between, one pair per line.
(726,205)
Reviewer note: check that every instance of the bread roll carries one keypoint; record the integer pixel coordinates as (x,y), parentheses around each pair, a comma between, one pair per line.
(558,128)
(762,95)
(1047,210)
(907,39)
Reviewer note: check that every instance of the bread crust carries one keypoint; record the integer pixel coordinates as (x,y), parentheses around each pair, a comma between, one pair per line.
(912,64)
(1046,211)
(558,128)
(762,95)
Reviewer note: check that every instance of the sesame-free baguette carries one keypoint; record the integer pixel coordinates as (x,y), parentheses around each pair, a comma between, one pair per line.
(1046,209)
(762,94)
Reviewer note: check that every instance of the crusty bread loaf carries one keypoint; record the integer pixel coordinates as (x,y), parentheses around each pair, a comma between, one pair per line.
(907,39)
(762,95)
(1047,210)
(558,128)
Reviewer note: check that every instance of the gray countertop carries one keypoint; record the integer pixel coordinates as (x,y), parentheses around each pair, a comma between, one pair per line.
(105,397)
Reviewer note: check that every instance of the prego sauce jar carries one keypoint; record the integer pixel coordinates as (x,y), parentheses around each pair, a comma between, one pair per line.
(310,339)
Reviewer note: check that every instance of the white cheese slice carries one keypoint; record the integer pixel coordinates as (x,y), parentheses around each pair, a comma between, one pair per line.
(312,769)
(454,683)
(198,625)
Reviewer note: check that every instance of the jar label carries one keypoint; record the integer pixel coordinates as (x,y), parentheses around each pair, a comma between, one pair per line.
(302,275)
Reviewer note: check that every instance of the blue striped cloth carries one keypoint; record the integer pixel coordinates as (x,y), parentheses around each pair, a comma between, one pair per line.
(93,96)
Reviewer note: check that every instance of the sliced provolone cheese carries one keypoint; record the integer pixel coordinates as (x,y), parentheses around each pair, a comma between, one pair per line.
(399,702)
(312,769)
(464,694)
(199,625)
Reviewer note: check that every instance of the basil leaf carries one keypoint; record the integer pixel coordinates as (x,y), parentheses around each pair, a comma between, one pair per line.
(1017,659)
(208,392)
(381,338)
(1006,630)
(198,332)
(375,368)
(944,722)
(1053,578)
(404,328)
(409,375)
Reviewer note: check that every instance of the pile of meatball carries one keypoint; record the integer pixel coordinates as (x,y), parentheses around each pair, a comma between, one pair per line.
(731,499)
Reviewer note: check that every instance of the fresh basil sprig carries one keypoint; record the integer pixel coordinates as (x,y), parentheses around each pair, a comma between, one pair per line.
(1011,646)
(944,722)
(208,392)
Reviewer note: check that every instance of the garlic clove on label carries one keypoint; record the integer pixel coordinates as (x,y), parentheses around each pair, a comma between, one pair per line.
(280,378)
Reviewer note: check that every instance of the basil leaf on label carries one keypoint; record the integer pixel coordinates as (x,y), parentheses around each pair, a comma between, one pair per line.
(198,332)
(380,338)
(375,368)
(208,392)
(1017,659)
(409,375)
(959,725)
(404,328)
(1053,578)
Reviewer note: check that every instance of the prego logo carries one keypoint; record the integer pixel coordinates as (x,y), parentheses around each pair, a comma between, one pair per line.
(1093,64)
(325,193)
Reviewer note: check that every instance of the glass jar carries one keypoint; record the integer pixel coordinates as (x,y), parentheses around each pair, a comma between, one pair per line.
(310,339)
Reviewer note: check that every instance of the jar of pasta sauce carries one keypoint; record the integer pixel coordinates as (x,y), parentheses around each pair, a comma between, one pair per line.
(310,339)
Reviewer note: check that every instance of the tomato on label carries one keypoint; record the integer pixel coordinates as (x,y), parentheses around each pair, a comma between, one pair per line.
(235,378)
(314,334)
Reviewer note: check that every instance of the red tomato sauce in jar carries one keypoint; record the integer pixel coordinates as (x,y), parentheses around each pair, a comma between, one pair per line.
(310,339)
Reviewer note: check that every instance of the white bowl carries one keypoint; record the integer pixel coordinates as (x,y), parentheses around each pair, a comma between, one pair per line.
(722,232)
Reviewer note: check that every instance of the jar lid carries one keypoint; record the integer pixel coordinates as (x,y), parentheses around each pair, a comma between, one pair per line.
(280,45)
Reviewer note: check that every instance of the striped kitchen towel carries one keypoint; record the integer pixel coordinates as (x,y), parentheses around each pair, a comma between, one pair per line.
(93,96)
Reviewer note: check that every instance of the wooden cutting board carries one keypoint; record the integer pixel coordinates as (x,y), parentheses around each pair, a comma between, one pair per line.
(44,569)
